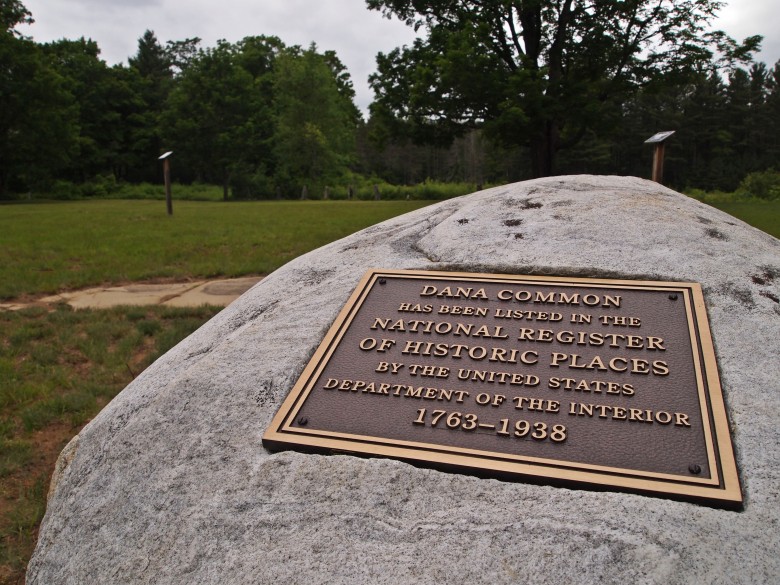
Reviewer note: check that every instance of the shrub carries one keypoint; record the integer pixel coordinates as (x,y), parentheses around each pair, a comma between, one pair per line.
(64,190)
(762,184)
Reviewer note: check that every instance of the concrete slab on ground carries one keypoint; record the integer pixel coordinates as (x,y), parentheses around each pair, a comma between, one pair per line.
(218,293)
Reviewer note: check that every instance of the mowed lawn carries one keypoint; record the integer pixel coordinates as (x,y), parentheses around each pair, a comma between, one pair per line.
(46,248)
(764,215)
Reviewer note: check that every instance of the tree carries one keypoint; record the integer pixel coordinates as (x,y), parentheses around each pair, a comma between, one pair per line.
(761,121)
(181,54)
(343,84)
(38,118)
(153,65)
(772,107)
(536,72)
(13,12)
(316,117)
(126,113)
(707,140)
(218,117)
(99,99)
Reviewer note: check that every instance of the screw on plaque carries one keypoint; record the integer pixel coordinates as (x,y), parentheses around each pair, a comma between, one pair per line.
(673,297)
(694,469)
(303,421)
(382,281)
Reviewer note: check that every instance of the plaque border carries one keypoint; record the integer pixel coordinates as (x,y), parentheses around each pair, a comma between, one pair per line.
(722,488)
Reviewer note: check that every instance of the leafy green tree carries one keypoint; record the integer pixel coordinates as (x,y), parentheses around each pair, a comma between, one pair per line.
(316,117)
(344,85)
(218,119)
(38,118)
(104,101)
(13,12)
(536,73)
(181,54)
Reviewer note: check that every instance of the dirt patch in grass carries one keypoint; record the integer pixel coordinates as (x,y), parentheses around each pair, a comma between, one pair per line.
(23,500)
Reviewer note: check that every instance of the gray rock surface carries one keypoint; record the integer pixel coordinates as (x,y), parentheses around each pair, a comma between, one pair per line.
(171,483)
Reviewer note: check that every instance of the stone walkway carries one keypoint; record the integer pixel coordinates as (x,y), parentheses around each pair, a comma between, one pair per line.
(219,293)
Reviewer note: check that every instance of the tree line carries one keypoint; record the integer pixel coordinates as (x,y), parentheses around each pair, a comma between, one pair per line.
(575,86)
(255,116)
(490,92)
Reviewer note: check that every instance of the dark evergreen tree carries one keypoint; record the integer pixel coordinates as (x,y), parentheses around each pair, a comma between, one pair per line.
(772,108)
(153,65)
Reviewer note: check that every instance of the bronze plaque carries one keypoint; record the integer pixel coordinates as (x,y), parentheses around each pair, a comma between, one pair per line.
(606,383)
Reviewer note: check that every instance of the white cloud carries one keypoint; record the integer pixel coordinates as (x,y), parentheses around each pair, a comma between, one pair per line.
(741,19)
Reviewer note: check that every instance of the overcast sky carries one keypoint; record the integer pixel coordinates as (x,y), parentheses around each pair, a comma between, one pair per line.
(346,26)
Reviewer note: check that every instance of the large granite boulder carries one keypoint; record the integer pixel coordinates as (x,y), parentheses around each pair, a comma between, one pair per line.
(171,483)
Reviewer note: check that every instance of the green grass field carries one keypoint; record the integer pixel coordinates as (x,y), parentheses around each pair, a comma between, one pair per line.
(765,215)
(46,248)
(59,367)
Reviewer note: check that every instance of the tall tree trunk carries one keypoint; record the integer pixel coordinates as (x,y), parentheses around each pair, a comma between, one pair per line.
(544,150)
